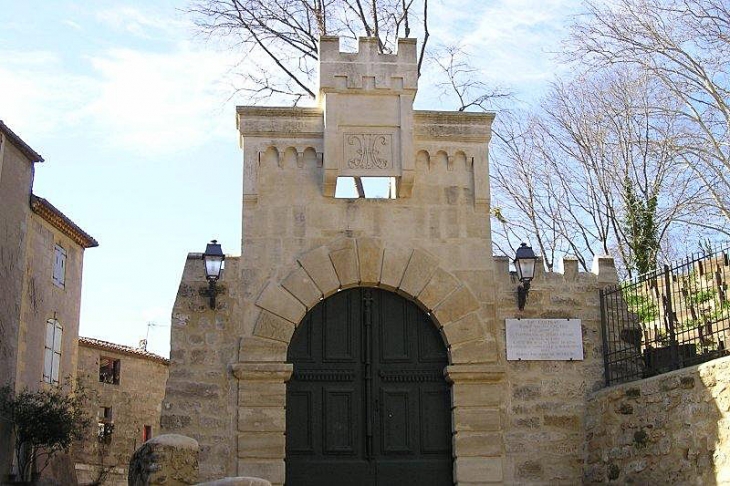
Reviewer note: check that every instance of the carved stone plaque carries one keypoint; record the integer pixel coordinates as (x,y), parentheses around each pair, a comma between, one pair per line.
(368,154)
(544,339)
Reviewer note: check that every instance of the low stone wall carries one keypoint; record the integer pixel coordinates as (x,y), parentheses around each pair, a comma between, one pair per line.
(669,429)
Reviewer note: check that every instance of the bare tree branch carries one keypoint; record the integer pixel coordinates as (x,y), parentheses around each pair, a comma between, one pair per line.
(284,35)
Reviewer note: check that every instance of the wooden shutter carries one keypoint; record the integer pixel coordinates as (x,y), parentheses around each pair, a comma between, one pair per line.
(57,339)
(59,266)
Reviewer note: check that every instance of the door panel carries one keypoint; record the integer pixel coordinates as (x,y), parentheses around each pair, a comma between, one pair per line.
(435,435)
(395,426)
(338,419)
(367,403)
(341,320)
(299,410)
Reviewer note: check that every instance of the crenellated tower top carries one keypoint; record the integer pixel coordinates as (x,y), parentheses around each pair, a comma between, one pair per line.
(367,69)
(367,99)
(365,127)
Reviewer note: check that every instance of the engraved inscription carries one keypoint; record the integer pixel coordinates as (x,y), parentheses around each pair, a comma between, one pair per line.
(544,339)
(368,150)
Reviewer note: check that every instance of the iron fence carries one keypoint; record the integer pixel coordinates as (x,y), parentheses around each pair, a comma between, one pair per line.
(674,317)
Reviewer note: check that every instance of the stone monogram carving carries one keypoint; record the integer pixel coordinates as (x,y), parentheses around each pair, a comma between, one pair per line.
(369,151)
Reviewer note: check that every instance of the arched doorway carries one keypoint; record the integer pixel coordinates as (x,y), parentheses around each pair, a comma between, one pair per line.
(367,403)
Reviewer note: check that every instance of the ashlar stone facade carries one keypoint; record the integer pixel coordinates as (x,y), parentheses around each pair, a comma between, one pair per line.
(512,422)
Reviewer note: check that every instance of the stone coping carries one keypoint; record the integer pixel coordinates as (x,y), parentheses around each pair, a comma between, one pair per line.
(698,368)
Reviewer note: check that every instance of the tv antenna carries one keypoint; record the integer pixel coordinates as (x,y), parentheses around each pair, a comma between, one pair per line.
(150,325)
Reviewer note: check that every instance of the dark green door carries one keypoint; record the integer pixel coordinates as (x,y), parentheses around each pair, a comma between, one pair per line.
(367,403)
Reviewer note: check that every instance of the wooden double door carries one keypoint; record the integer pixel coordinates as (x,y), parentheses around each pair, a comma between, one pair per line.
(367,403)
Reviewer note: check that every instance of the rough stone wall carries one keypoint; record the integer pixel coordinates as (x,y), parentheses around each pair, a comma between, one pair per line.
(16,179)
(669,429)
(200,398)
(544,402)
(136,401)
(42,300)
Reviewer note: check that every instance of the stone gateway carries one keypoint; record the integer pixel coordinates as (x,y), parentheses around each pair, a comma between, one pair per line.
(362,341)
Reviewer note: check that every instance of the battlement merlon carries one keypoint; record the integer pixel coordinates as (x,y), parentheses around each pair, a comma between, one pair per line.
(367,69)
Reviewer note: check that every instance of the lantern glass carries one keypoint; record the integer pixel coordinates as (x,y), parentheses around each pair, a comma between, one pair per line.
(525,260)
(213,265)
(526,269)
(213,259)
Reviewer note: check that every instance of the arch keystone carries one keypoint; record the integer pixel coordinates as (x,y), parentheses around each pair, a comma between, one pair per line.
(370,259)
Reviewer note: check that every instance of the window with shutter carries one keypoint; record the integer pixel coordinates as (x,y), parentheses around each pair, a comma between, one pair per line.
(59,266)
(52,352)
(109,370)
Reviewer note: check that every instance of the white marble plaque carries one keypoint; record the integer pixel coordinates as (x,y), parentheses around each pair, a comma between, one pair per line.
(544,339)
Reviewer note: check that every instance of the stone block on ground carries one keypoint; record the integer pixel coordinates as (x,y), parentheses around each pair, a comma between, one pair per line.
(169,459)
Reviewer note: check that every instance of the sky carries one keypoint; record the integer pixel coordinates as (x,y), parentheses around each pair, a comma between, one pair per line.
(134,115)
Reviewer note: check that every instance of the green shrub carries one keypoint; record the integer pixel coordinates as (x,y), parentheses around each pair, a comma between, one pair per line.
(43,423)
(644,307)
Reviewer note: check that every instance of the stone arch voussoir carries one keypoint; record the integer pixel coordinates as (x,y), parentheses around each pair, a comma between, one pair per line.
(415,274)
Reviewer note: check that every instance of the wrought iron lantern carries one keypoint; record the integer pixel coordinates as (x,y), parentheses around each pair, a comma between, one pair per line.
(213,260)
(525,260)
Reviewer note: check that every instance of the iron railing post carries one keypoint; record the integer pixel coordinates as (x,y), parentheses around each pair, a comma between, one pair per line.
(669,318)
(604,337)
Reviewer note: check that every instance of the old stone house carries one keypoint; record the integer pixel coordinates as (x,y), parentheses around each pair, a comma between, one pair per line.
(41,262)
(124,387)
(362,341)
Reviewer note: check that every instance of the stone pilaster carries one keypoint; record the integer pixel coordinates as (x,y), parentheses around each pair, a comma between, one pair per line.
(477,392)
(262,418)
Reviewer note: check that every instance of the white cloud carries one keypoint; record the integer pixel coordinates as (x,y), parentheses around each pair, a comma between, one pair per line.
(72,24)
(36,94)
(153,98)
(147,24)
(159,102)
(139,101)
